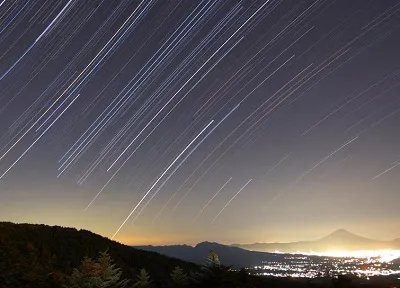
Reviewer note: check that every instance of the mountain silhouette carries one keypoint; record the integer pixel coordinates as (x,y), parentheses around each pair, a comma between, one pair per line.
(228,255)
(245,255)
(340,239)
(343,234)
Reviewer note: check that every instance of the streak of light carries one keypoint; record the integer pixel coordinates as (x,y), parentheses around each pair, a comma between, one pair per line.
(277,164)
(387,170)
(116,172)
(226,205)
(169,101)
(379,16)
(37,39)
(222,142)
(180,164)
(323,160)
(51,115)
(371,100)
(40,136)
(75,80)
(215,127)
(15,16)
(184,85)
(177,105)
(183,160)
(304,174)
(379,121)
(349,101)
(159,178)
(212,198)
(54,20)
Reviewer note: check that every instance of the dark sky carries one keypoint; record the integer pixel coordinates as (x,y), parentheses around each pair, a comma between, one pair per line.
(182,121)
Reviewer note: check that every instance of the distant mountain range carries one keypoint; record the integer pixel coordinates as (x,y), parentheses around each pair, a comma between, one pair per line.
(339,240)
(238,255)
(228,255)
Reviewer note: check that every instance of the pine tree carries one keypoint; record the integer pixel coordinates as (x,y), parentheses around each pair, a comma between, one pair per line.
(213,259)
(143,279)
(213,274)
(179,277)
(97,274)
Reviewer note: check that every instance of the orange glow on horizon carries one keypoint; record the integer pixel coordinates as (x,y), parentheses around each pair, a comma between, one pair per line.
(145,240)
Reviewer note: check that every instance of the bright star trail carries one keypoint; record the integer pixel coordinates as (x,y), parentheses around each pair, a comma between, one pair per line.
(144,119)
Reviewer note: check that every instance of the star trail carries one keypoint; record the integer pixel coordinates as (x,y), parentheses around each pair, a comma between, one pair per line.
(180,121)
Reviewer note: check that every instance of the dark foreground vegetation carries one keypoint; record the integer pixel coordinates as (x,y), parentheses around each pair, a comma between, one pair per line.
(42,256)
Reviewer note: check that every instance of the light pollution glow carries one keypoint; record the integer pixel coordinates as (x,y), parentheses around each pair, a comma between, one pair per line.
(383,256)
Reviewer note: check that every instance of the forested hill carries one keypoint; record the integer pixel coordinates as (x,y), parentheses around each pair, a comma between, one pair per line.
(41,256)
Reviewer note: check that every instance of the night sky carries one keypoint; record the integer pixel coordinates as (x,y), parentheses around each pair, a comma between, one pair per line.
(157,122)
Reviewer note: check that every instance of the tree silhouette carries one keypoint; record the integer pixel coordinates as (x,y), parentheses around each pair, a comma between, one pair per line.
(97,274)
(213,259)
(143,279)
(212,274)
(179,277)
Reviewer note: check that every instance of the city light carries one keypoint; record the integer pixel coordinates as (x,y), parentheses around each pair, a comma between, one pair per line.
(363,264)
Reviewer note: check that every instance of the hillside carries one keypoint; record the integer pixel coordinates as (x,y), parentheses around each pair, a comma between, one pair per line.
(339,240)
(41,256)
